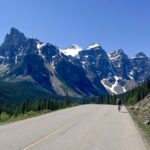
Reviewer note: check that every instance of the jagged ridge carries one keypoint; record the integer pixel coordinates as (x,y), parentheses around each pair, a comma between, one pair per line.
(75,71)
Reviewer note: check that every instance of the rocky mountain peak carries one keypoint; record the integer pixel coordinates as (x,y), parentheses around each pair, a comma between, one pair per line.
(75,46)
(140,55)
(121,63)
(118,52)
(118,55)
(13,39)
(14,31)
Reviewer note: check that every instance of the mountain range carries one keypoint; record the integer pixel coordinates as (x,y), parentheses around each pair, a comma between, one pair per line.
(73,71)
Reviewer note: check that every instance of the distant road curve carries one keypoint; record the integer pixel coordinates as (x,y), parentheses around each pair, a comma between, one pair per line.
(86,127)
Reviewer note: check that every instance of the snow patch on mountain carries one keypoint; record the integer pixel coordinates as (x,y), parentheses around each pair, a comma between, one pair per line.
(93,46)
(39,47)
(113,88)
(3,68)
(1,57)
(113,58)
(73,50)
(116,55)
(109,88)
(124,89)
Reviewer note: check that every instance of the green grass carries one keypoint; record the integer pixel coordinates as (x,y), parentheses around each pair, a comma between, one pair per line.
(5,118)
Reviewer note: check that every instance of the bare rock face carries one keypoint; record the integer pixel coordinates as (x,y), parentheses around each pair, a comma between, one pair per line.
(147,122)
(121,63)
(143,109)
(140,67)
(143,104)
(27,57)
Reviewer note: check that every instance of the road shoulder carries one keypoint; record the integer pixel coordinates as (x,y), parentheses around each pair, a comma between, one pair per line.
(141,127)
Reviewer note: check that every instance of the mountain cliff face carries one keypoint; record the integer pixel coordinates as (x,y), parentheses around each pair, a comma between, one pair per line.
(115,72)
(74,71)
(140,67)
(95,62)
(121,63)
(23,58)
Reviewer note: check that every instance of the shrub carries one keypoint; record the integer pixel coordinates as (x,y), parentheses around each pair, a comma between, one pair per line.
(4,116)
(132,101)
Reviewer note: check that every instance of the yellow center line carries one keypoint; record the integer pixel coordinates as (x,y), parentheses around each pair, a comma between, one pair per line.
(44,138)
(51,133)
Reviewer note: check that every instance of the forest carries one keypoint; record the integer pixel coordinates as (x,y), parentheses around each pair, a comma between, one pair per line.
(50,104)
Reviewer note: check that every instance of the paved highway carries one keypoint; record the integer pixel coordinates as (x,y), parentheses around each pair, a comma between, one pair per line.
(87,127)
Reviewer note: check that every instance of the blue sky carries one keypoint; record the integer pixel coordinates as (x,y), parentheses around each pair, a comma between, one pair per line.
(112,23)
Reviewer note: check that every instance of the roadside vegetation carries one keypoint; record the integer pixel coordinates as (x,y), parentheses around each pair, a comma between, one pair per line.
(138,104)
(29,108)
(139,118)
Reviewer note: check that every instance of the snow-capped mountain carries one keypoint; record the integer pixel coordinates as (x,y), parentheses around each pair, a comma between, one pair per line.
(110,72)
(114,71)
(74,71)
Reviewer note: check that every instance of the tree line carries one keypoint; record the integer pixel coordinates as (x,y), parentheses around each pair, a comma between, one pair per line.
(36,105)
(138,93)
(129,98)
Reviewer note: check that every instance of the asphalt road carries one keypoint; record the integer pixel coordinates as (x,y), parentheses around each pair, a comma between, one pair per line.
(88,127)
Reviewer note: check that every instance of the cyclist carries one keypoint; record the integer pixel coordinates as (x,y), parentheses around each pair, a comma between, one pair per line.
(119,104)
